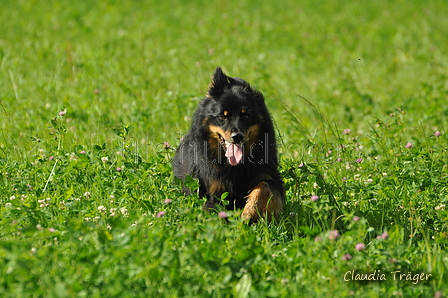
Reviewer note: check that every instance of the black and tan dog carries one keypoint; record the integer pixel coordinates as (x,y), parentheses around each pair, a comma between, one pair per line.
(231,147)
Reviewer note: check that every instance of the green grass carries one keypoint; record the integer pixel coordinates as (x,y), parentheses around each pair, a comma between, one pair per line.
(129,75)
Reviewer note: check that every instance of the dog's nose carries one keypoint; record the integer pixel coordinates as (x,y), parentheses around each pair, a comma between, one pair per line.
(237,137)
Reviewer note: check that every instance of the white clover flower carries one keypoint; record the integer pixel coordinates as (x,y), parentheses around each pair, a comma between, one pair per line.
(102,209)
(440,207)
(124,211)
(113,211)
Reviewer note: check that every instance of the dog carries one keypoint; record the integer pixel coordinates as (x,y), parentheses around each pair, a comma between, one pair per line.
(231,147)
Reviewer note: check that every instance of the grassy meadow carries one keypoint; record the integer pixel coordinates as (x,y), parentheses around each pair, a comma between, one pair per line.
(95,95)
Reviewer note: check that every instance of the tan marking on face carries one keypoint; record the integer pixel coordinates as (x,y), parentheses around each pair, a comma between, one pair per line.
(262,202)
(217,131)
(251,135)
(243,111)
(226,113)
(214,141)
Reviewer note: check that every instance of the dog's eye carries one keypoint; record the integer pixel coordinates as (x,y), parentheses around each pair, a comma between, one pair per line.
(246,114)
(222,117)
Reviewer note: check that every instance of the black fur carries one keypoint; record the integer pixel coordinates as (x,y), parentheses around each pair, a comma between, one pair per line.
(232,115)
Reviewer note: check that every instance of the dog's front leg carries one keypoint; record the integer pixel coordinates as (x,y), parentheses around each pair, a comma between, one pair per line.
(262,202)
(214,191)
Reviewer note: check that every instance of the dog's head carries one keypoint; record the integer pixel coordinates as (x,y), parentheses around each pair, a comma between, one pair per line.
(234,112)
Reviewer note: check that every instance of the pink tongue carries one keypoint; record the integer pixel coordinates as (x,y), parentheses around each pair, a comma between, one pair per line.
(234,154)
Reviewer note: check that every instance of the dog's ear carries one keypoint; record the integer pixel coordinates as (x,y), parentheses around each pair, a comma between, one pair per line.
(219,82)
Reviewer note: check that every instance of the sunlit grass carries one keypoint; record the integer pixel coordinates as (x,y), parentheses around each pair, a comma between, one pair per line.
(94,97)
